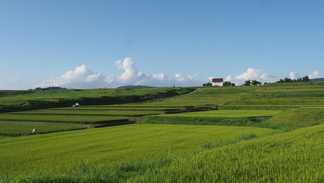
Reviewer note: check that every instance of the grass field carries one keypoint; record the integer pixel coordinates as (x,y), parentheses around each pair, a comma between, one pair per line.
(286,157)
(108,146)
(297,117)
(120,107)
(288,147)
(227,113)
(215,117)
(21,100)
(61,119)
(87,113)
(25,128)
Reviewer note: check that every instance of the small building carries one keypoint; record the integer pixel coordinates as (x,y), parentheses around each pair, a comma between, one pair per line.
(217,82)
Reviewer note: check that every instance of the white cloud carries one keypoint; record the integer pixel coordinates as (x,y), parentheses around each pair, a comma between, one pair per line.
(130,69)
(84,77)
(294,75)
(10,82)
(81,77)
(132,77)
(314,75)
(252,74)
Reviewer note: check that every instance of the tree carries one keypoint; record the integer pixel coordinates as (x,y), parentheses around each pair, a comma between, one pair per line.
(207,84)
(227,83)
(255,82)
(247,83)
(305,79)
(287,80)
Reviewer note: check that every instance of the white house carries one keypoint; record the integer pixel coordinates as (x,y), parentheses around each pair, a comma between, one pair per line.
(217,82)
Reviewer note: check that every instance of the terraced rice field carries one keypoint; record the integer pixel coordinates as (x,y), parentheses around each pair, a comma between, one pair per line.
(87,113)
(61,119)
(214,117)
(108,146)
(25,128)
(210,149)
(295,156)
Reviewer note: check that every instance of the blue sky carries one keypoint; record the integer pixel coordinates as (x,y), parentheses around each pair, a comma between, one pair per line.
(95,44)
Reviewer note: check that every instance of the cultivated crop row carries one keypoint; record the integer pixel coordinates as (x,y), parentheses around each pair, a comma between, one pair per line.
(106,147)
(296,156)
(25,128)
(61,119)
(87,113)
(215,117)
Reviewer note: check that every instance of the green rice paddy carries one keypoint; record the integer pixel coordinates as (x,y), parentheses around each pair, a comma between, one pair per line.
(87,113)
(25,128)
(108,146)
(61,119)
(271,133)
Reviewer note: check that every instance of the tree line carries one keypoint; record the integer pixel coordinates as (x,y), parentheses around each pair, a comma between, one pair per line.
(303,79)
(255,82)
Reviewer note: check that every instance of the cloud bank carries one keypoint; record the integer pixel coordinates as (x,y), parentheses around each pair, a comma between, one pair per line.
(252,74)
(10,82)
(314,75)
(81,77)
(256,74)
(84,77)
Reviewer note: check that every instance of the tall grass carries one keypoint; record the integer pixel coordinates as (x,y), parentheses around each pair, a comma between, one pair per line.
(108,146)
(296,117)
(282,157)
(286,157)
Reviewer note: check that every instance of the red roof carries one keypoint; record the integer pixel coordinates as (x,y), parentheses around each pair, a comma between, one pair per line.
(215,80)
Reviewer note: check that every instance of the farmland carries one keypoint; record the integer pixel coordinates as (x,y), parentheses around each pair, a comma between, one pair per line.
(24,128)
(27,100)
(212,134)
(110,145)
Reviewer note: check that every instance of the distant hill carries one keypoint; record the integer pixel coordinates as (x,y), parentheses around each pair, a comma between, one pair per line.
(136,86)
(316,79)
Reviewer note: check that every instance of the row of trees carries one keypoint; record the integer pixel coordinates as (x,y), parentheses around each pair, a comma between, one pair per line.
(303,79)
(226,83)
(255,82)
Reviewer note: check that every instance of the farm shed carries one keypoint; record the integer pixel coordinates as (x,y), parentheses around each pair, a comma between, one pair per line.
(217,82)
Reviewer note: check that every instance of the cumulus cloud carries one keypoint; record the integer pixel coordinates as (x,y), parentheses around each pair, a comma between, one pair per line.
(10,82)
(294,75)
(252,74)
(84,77)
(81,77)
(314,75)
(128,66)
(131,76)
